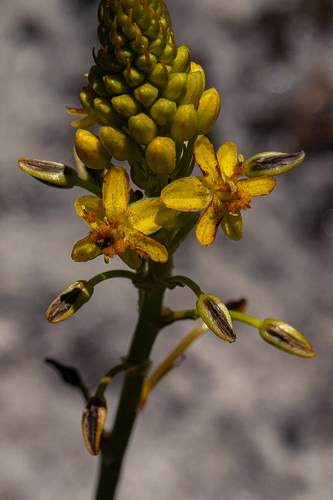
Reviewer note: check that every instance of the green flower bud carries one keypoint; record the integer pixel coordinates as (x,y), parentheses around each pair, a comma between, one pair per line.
(117,143)
(272,163)
(194,89)
(116,84)
(285,337)
(146,62)
(184,123)
(181,63)
(87,96)
(69,301)
(208,111)
(93,421)
(146,94)
(133,76)
(163,111)
(51,173)
(126,105)
(159,77)
(107,113)
(196,67)
(161,155)
(143,128)
(216,316)
(90,150)
(176,88)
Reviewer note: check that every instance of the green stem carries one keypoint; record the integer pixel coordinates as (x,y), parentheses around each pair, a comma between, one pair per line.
(178,315)
(89,186)
(184,280)
(111,274)
(245,318)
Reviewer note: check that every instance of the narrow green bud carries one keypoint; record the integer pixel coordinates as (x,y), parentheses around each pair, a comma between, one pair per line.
(208,111)
(69,301)
(161,155)
(181,63)
(159,77)
(143,128)
(184,123)
(216,316)
(49,172)
(146,94)
(126,105)
(176,88)
(107,113)
(272,163)
(194,89)
(87,96)
(93,420)
(117,143)
(163,111)
(116,84)
(286,338)
(90,150)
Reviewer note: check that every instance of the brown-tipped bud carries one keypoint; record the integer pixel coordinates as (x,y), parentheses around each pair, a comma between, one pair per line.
(184,123)
(69,301)
(272,163)
(176,88)
(87,96)
(117,143)
(116,84)
(107,113)
(143,128)
(285,337)
(194,89)
(133,76)
(181,63)
(161,155)
(159,77)
(126,105)
(69,375)
(163,111)
(216,316)
(146,61)
(93,420)
(90,150)
(49,172)
(146,94)
(208,111)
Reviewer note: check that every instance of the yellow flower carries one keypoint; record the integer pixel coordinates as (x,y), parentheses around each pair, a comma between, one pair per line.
(219,191)
(118,228)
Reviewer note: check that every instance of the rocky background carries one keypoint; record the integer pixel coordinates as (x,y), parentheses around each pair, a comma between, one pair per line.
(233,422)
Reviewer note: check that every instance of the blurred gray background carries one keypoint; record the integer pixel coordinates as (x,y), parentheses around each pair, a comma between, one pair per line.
(233,422)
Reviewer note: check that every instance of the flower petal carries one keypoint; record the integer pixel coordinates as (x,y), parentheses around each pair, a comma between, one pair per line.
(232,225)
(227,158)
(257,186)
(116,193)
(90,209)
(144,245)
(130,258)
(209,222)
(205,157)
(187,195)
(85,250)
(147,216)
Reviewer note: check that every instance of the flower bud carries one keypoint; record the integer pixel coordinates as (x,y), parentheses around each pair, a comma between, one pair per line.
(163,111)
(272,163)
(87,96)
(181,63)
(90,150)
(216,316)
(143,128)
(285,337)
(69,301)
(49,172)
(194,89)
(159,77)
(208,111)
(107,113)
(117,143)
(146,94)
(184,123)
(176,87)
(161,155)
(126,105)
(116,84)
(93,420)
(196,67)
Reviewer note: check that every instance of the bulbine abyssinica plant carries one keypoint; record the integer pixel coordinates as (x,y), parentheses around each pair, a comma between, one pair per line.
(153,111)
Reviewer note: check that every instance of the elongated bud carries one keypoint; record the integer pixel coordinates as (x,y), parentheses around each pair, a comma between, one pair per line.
(184,123)
(87,96)
(216,316)
(181,64)
(176,88)
(272,163)
(196,67)
(49,172)
(69,301)
(93,420)
(208,111)
(163,111)
(107,113)
(126,105)
(90,150)
(143,128)
(161,155)
(194,89)
(285,337)
(117,143)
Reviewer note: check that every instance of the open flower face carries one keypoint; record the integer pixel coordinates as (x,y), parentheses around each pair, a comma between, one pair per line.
(118,228)
(219,191)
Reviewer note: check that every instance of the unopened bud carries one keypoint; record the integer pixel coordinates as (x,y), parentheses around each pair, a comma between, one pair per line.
(184,123)
(87,96)
(285,337)
(176,88)
(93,420)
(146,94)
(196,67)
(272,163)
(126,105)
(143,128)
(216,316)
(107,113)
(69,301)
(117,143)
(161,155)
(90,150)
(163,111)
(208,111)
(49,172)
(181,63)
(194,89)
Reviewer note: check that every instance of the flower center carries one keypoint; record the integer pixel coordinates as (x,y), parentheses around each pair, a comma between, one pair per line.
(109,237)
